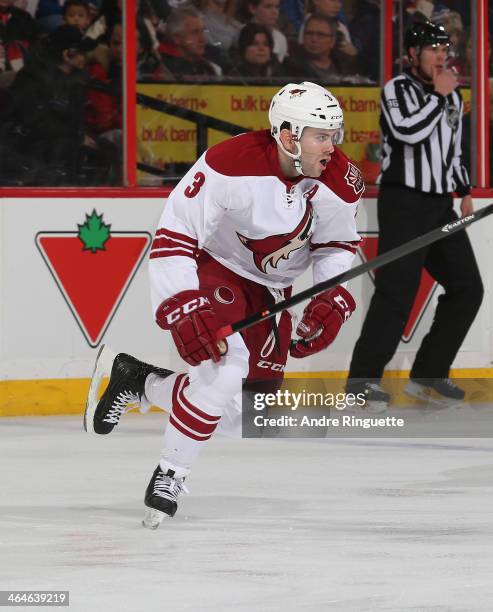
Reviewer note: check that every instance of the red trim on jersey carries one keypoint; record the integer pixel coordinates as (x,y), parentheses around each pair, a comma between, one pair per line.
(175,252)
(170,234)
(347,246)
(163,242)
(168,244)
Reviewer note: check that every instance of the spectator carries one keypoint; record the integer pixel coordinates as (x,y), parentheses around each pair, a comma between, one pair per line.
(256,57)
(27,5)
(109,14)
(43,128)
(149,64)
(265,12)
(365,31)
(183,53)
(155,10)
(332,9)
(464,61)
(104,104)
(49,14)
(454,6)
(18,31)
(452,22)
(77,13)
(292,12)
(316,59)
(221,26)
(417,11)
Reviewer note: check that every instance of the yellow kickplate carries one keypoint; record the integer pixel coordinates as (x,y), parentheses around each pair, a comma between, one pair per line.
(68,395)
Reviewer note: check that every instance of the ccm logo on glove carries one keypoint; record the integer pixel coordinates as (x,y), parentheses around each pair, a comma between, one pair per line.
(322,320)
(192,321)
(185,309)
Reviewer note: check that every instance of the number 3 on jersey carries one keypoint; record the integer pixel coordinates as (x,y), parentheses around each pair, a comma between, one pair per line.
(198,180)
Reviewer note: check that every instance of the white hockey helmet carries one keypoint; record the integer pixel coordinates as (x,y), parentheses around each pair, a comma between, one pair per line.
(304,105)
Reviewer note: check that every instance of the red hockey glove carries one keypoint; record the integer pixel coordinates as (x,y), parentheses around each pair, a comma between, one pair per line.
(193,324)
(321,322)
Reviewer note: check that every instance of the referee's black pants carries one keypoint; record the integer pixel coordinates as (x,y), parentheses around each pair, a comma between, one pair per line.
(404,214)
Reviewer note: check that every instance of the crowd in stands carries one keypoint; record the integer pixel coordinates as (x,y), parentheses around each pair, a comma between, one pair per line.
(60,93)
(258,40)
(61,66)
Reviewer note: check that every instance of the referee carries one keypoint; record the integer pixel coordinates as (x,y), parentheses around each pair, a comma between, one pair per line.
(421,124)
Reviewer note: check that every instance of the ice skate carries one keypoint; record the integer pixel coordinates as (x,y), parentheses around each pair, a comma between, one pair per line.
(376,399)
(436,391)
(124,391)
(160,497)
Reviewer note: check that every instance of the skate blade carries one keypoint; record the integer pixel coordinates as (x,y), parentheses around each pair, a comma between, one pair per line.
(153,518)
(102,368)
(424,394)
(376,407)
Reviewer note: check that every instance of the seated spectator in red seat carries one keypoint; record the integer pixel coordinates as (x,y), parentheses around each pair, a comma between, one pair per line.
(316,60)
(255,53)
(18,31)
(183,53)
(265,12)
(77,13)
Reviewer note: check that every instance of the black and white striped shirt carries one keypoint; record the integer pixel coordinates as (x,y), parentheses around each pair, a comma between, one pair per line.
(421,137)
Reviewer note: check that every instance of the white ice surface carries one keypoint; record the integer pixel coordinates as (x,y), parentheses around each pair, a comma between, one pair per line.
(344,525)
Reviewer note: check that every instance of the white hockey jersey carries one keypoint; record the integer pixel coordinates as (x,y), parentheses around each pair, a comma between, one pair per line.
(236,205)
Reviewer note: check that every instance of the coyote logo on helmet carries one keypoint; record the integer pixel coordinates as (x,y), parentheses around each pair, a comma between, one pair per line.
(296,93)
(272,249)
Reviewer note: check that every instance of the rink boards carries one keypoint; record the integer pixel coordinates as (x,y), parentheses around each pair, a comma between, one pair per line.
(73,274)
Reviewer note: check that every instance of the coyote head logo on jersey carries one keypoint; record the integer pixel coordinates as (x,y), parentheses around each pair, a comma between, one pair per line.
(272,249)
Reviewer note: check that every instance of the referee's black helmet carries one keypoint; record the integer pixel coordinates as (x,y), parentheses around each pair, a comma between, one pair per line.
(426,33)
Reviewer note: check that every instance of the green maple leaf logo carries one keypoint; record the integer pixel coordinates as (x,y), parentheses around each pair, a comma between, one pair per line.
(94,232)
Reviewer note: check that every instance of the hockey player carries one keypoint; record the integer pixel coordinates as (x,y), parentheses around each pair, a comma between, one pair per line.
(249,217)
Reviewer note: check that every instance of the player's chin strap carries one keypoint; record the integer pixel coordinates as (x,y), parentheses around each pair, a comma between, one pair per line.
(296,157)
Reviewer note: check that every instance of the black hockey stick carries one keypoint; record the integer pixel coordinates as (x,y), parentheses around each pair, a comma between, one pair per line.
(381,260)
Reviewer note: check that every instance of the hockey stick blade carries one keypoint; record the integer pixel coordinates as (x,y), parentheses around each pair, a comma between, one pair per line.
(404,249)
